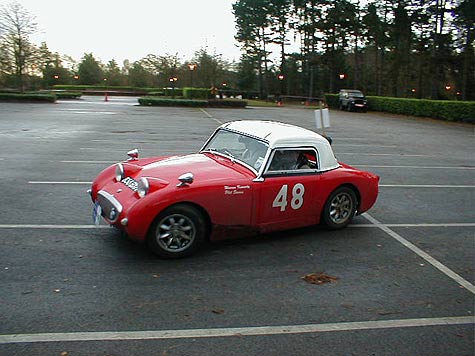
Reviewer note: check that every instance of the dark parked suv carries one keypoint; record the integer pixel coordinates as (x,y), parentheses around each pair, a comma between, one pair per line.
(352,100)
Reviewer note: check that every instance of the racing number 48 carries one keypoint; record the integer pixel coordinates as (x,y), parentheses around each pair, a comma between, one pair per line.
(296,201)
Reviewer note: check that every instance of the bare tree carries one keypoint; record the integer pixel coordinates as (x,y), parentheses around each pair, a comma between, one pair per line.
(16,27)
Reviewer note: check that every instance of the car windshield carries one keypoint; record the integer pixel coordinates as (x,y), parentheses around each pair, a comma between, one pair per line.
(356,94)
(246,149)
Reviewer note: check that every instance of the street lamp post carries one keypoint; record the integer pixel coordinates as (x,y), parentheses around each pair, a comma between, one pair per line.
(172,80)
(224,84)
(192,69)
(281,78)
(106,96)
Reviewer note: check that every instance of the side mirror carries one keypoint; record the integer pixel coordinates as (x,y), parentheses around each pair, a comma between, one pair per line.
(133,155)
(185,179)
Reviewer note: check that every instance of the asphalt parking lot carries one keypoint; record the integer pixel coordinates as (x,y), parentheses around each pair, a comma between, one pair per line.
(404,271)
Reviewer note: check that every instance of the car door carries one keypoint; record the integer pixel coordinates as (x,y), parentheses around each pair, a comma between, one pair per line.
(284,199)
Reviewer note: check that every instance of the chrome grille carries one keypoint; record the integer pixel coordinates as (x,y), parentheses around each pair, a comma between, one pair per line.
(111,208)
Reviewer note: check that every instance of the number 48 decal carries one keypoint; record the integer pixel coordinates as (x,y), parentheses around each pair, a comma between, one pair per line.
(296,202)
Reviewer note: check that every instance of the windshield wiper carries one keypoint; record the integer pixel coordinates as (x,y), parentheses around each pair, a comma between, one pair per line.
(222,152)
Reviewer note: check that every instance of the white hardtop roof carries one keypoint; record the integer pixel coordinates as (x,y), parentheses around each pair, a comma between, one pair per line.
(279,135)
(276,133)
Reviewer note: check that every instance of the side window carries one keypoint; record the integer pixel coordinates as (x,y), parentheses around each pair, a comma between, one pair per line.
(293,160)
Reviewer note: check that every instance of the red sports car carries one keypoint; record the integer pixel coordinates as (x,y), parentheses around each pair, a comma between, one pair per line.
(250,177)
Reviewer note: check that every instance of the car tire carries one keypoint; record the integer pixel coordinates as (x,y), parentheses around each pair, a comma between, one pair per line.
(340,208)
(177,232)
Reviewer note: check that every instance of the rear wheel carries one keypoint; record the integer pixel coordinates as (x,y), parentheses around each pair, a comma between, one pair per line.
(177,232)
(340,208)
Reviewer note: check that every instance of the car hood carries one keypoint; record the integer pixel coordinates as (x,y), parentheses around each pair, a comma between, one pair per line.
(204,166)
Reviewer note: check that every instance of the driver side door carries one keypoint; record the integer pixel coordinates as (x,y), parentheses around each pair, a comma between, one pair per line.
(285,199)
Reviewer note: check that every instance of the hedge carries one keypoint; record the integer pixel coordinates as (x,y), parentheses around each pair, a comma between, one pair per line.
(227,103)
(50,98)
(68,94)
(196,93)
(332,100)
(156,101)
(101,87)
(463,111)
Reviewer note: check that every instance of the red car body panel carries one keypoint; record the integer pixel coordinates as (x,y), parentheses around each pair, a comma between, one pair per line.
(233,201)
(234,197)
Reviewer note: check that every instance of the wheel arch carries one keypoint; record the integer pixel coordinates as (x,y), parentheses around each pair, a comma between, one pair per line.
(324,217)
(355,190)
(351,186)
(196,206)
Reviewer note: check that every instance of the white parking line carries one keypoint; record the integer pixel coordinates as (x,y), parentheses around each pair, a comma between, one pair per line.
(73,183)
(50,226)
(239,332)
(445,270)
(415,167)
(424,186)
(88,162)
(67,227)
(381,185)
(417,225)
(380,154)
(363,145)
(211,116)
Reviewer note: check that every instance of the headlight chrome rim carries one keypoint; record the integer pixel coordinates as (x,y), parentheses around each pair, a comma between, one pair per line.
(119,172)
(143,187)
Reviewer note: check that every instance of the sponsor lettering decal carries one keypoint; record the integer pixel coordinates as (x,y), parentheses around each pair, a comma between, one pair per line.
(235,189)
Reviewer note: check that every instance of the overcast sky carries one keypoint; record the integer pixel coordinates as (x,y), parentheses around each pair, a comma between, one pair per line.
(119,30)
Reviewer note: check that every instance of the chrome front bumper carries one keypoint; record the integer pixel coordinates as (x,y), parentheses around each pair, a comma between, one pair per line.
(111,208)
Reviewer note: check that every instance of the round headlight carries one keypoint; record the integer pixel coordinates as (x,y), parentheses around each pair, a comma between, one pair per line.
(119,172)
(142,187)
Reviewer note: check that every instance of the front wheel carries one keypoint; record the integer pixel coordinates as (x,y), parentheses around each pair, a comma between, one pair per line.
(177,232)
(340,208)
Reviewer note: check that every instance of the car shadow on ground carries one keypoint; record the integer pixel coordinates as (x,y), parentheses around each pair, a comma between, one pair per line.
(295,241)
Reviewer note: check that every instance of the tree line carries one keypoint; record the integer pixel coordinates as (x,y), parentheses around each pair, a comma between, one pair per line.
(303,48)
(404,48)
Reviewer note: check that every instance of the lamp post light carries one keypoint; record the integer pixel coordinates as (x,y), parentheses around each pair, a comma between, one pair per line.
(192,67)
(172,80)
(281,78)
(224,85)
(342,76)
(106,96)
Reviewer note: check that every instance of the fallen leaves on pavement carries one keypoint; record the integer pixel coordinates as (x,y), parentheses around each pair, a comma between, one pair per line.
(319,278)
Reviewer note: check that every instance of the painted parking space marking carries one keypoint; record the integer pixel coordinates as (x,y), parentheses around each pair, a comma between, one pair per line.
(49,226)
(444,269)
(363,145)
(210,116)
(381,185)
(417,225)
(88,162)
(424,186)
(239,332)
(78,227)
(416,167)
(380,154)
(59,183)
